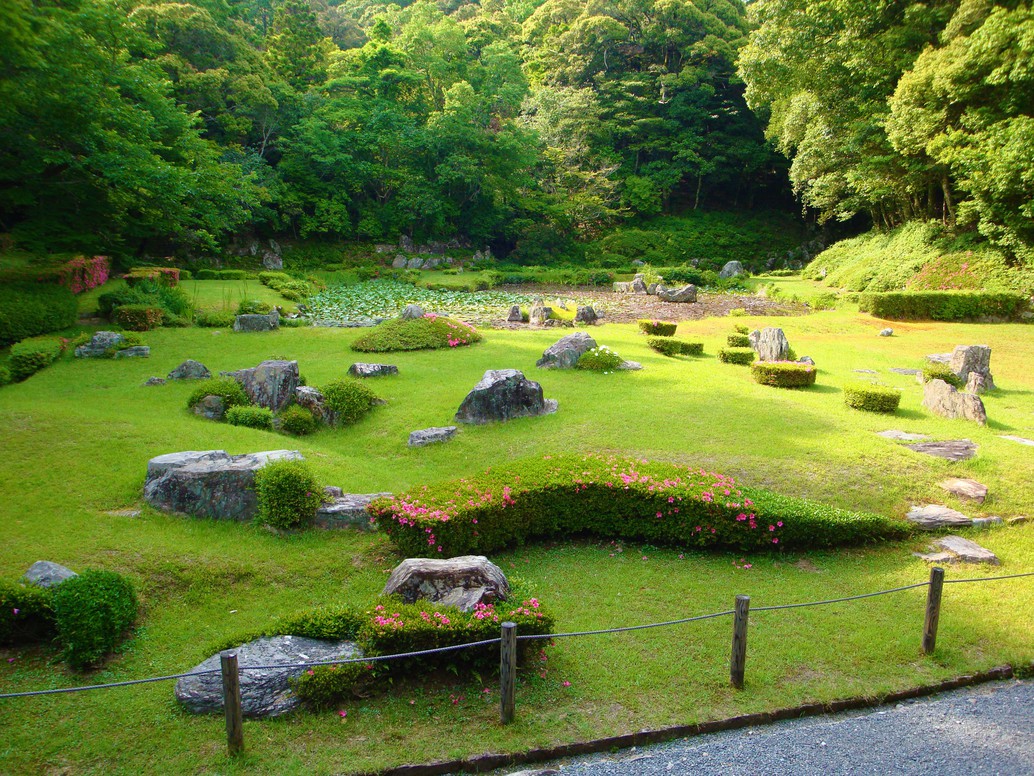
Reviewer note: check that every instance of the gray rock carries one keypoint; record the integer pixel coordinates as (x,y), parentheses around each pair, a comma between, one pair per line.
(731,270)
(1021,440)
(406,244)
(1018,520)
(886,332)
(428,436)
(311,399)
(255,322)
(539,314)
(901,436)
(504,394)
(514,315)
(348,510)
(137,351)
(585,314)
(333,491)
(967,359)
(372,370)
(100,345)
(651,289)
(412,312)
(415,263)
(399,262)
(273,259)
(684,295)
(934,516)
(211,407)
(638,263)
(265,692)
(976,383)
(638,285)
(462,582)
(47,574)
(955,549)
(866,371)
(943,399)
(155,381)
(621,288)
(951,449)
(900,371)
(939,358)
(630,366)
(986,522)
(964,488)
(806,360)
(770,344)
(271,384)
(208,484)
(190,370)
(565,352)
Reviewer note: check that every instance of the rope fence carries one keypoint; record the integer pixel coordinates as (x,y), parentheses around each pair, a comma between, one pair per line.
(230,669)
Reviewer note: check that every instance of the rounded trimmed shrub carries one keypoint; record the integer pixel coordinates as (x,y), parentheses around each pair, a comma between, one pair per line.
(138,317)
(742,356)
(658,328)
(783,374)
(937,371)
(600,359)
(250,417)
(738,341)
(669,346)
(428,333)
(288,494)
(297,421)
(349,399)
(740,328)
(253,307)
(871,397)
(226,388)
(91,612)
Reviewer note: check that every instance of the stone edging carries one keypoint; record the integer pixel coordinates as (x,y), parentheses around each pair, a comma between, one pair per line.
(488,762)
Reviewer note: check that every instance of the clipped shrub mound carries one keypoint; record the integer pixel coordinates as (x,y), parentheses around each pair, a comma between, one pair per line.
(138,317)
(298,421)
(91,612)
(288,494)
(348,399)
(738,341)
(669,346)
(871,398)
(250,417)
(935,371)
(612,497)
(428,333)
(658,328)
(253,307)
(943,305)
(228,389)
(599,359)
(32,355)
(783,374)
(30,309)
(215,319)
(169,276)
(742,356)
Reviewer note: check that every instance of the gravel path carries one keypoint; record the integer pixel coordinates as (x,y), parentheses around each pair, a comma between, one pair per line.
(986,730)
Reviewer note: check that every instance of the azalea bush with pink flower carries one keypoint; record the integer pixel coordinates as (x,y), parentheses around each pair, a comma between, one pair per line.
(83,273)
(613,497)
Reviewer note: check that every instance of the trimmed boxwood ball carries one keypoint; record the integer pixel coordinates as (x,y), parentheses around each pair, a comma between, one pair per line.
(658,328)
(288,494)
(298,421)
(783,374)
(742,356)
(428,333)
(871,397)
(226,388)
(669,346)
(91,612)
(250,417)
(738,341)
(937,371)
(348,398)
(600,359)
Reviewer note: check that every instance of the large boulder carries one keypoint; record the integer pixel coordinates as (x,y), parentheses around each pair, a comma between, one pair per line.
(101,345)
(190,370)
(539,314)
(945,400)
(731,270)
(770,344)
(973,359)
(564,353)
(47,574)
(270,384)
(412,312)
(514,315)
(209,483)
(265,692)
(257,322)
(462,582)
(685,294)
(504,394)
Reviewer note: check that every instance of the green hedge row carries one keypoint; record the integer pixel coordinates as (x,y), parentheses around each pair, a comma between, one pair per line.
(607,497)
(220,274)
(31,355)
(783,374)
(741,356)
(944,305)
(871,398)
(30,309)
(669,346)
(658,328)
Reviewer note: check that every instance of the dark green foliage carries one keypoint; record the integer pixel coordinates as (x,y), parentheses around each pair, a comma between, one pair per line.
(783,374)
(599,359)
(657,328)
(215,319)
(944,305)
(30,309)
(349,399)
(871,398)
(5,375)
(91,612)
(608,497)
(227,388)
(221,274)
(146,293)
(186,274)
(168,276)
(26,614)
(138,317)
(32,355)
(741,329)
(297,421)
(253,307)
(738,341)
(207,274)
(251,417)
(938,371)
(288,494)
(669,346)
(742,356)
(429,332)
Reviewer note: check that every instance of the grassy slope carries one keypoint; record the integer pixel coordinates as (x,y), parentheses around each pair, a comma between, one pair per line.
(77,437)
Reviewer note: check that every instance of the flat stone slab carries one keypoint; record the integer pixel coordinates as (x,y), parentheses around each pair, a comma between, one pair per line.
(901,436)
(901,371)
(348,510)
(952,449)
(430,436)
(934,516)
(955,549)
(987,522)
(866,371)
(137,351)
(1021,440)
(264,692)
(964,488)
(630,366)
(372,370)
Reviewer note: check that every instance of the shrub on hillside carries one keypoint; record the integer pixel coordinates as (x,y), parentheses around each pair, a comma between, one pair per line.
(84,273)
(228,389)
(783,374)
(288,494)
(427,333)
(5,375)
(250,417)
(872,398)
(938,371)
(742,356)
(26,614)
(91,612)
(297,421)
(253,307)
(944,305)
(166,276)
(658,328)
(349,399)
(599,359)
(738,341)
(31,355)
(28,310)
(215,319)
(174,302)
(138,317)
(669,346)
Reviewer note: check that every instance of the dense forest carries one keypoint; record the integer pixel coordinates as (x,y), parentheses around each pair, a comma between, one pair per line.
(135,126)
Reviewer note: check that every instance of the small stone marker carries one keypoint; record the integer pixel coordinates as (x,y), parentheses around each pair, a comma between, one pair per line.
(1021,440)
(934,516)
(347,510)
(886,332)
(155,381)
(190,370)
(372,370)
(955,549)
(952,449)
(963,488)
(428,436)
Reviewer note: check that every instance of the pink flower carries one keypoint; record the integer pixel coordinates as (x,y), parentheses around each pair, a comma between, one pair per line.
(343,713)
(565,683)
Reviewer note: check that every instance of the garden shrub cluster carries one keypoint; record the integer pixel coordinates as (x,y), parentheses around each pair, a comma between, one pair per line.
(871,397)
(31,355)
(147,293)
(742,356)
(738,341)
(348,398)
(250,417)
(30,309)
(214,319)
(658,328)
(609,497)
(228,389)
(599,359)
(297,421)
(944,305)
(84,273)
(253,307)
(288,494)
(669,346)
(427,333)
(287,286)
(221,274)
(783,374)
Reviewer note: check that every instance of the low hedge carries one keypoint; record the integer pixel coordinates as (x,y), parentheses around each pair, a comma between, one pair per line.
(221,274)
(944,305)
(609,497)
(31,355)
(91,612)
(138,317)
(26,614)
(783,374)
(658,328)
(250,417)
(738,341)
(669,346)
(428,333)
(938,371)
(742,356)
(166,276)
(215,319)
(30,309)
(253,307)
(871,398)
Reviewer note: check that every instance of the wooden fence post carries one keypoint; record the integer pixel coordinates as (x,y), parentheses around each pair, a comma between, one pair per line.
(232,702)
(933,609)
(739,642)
(507,671)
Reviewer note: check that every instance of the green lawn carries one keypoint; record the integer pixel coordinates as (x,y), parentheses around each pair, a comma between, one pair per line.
(204,294)
(78,436)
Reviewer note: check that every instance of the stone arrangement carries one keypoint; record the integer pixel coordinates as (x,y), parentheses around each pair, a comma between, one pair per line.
(973,363)
(504,394)
(770,344)
(255,322)
(462,582)
(108,344)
